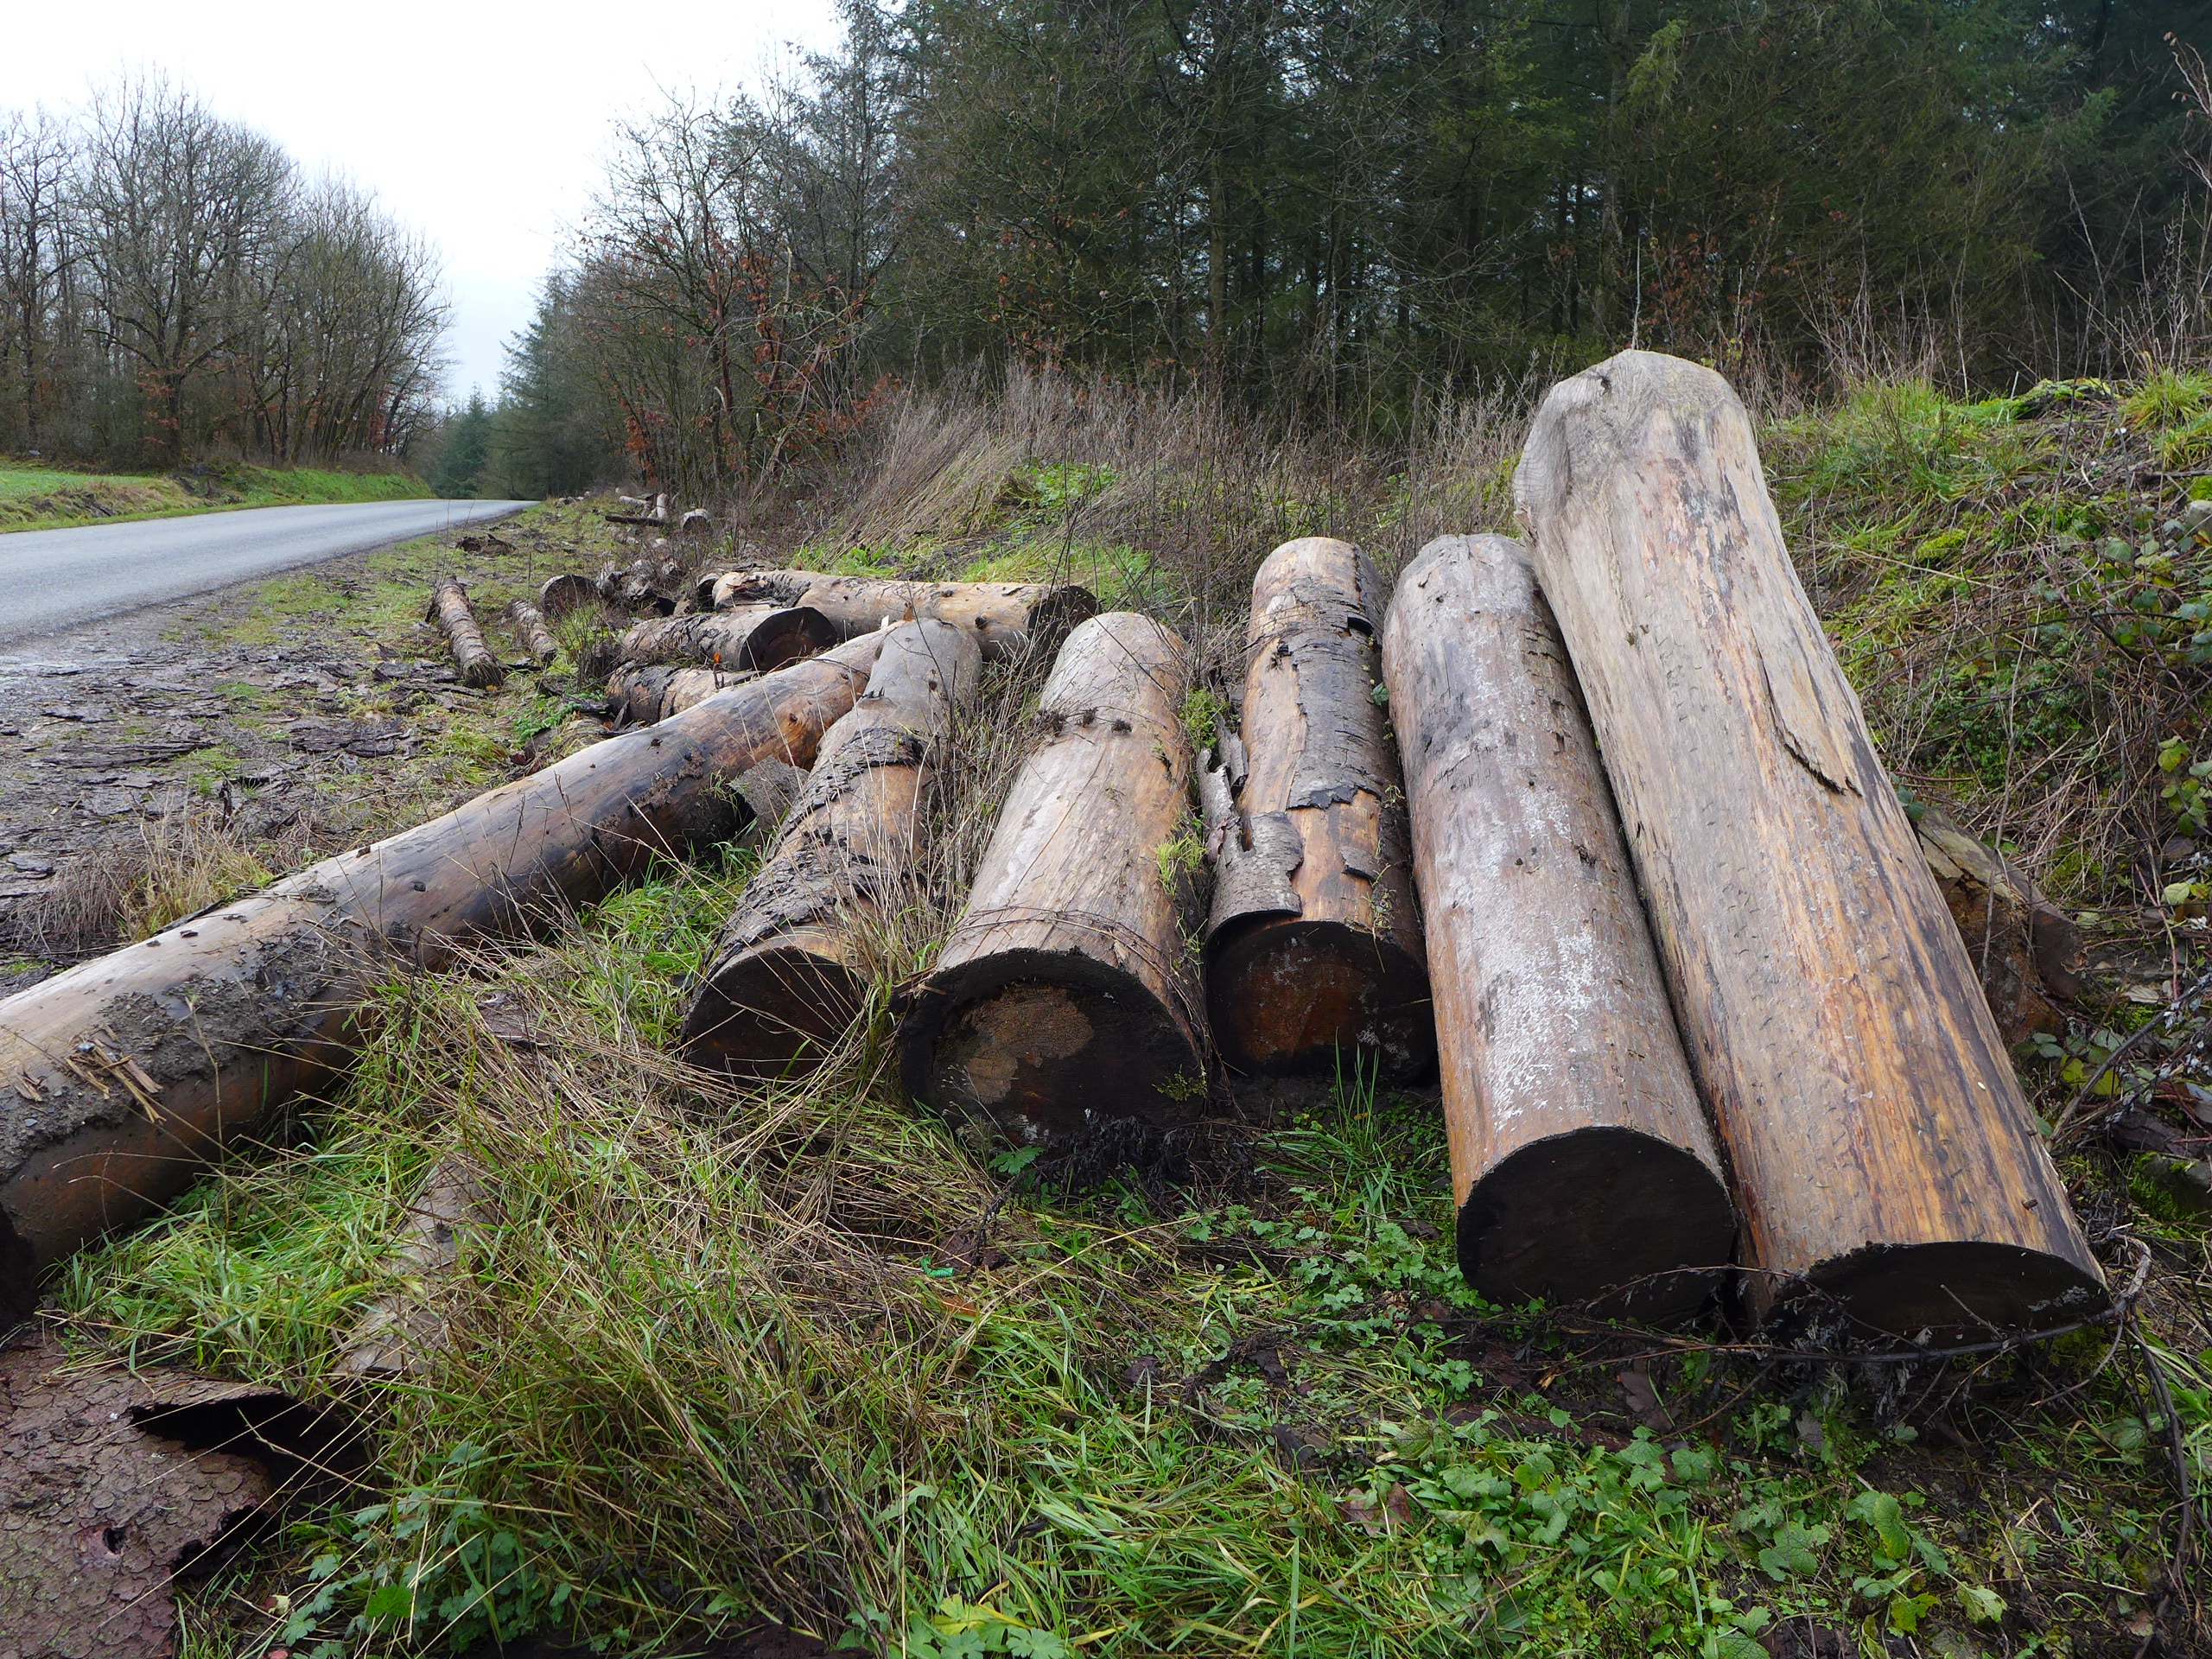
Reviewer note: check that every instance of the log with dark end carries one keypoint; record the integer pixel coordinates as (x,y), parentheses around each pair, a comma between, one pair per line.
(752,636)
(1581,1161)
(449,609)
(558,595)
(1009,619)
(532,632)
(790,970)
(127,1074)
(1889,1178)
(1314,952)
(1062,1011)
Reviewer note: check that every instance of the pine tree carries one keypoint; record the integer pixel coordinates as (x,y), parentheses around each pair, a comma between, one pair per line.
(465,449)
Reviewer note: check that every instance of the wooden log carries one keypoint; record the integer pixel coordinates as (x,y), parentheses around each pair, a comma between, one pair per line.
(638,694)
(790,971)
(1062,1011)
(1007,617)
(1313,951)
(449,609)
(2026,951)
(530,631)
(559,595)
(755,637)
(1581,1161)
(1888,1171)
(123,1076)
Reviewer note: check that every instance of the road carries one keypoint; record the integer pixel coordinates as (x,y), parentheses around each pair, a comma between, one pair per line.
(53,579)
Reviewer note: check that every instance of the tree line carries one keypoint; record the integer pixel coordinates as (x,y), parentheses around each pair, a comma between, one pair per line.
(1342,213)
(174,285)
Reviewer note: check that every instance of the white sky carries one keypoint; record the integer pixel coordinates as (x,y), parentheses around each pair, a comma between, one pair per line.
(482,124)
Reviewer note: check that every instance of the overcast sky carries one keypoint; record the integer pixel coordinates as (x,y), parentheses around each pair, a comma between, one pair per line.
(481,124)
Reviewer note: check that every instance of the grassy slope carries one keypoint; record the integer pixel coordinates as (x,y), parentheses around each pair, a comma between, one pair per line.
(725,1358)
(34,497)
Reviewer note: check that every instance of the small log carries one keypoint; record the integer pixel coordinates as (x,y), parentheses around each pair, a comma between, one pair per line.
(639,694)
(698,521)
(1314,952)
(1581,1162)
(2026,951)
(1008,618)
(1888,1168)
(450,610)
(790,971)
(644,584)
(122,1079)
(755,637)
(566,592)
(1062,1011)
(531,630)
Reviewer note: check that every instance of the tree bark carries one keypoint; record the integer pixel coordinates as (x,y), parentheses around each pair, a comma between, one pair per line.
(450,610)
(128,1073)
(531,630)
(756,637)
(790,970)
(1888,1168)
(639,694)
(2026,950)
(1008,618)
(1062,1011)
(1314,952)
(1581,1162)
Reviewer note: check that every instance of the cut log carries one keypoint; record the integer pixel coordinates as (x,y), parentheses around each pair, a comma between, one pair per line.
(450,610)
(1008,618)
(124,1075)
(755,637)
(1581,1161)
(1313,954)
(790,970)
(563,594)
(1062,1010)
(2026,950)
(645,585)
(639,694)
(531,630)
(1888,1171)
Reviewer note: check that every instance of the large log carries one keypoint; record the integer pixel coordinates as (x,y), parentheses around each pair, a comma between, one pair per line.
(1313,951)
(449,609)
(755,637)
(126,1075)
(790,969)
(1008,618)
(1581,1161)
(1887,1166)
(1062,1010)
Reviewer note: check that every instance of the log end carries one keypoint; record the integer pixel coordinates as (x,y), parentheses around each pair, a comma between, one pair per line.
(773,1012)
(1951,1291)
(796,632)
(1286,995)
(1053,1050)
(1612,1216)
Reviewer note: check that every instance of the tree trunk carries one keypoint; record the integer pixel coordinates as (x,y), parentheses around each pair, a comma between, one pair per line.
(129,1073)
(1887,1164)
(529,628)
(1061,1012)
(1008,618)
(756,637)
(790,970)
(1313,953)
(1581,1162)
(449,610)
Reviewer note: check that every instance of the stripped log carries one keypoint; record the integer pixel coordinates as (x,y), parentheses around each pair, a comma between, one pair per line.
(532,633)
(1008,618)
(1061,1011)
(790,970)
(755,637)
(639,694)
(449,609)
(1889,1170)
(128,1073)
(559,595)
(1581,1162)
(1313,953)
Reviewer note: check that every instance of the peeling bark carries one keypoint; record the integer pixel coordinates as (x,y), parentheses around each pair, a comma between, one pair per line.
(449,609)
(2026,950)
(531,632)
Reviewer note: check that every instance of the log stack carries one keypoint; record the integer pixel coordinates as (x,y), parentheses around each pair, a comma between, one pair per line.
(1889,1179)
(1581,1163)
(1061,1012)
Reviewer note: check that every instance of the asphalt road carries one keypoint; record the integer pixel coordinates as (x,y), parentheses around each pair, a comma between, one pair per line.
(55,579)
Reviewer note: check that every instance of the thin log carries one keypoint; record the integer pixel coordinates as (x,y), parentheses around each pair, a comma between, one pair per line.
(1314,952)
(1581,1161)
(1008,618)
(532,633)
(790,971)
(126,1075)
(1888,1167)
(755,637)
(1062,1011)
(449,609)
(559,595)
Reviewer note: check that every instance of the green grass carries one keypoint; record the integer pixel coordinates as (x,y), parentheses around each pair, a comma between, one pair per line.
(36,496)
